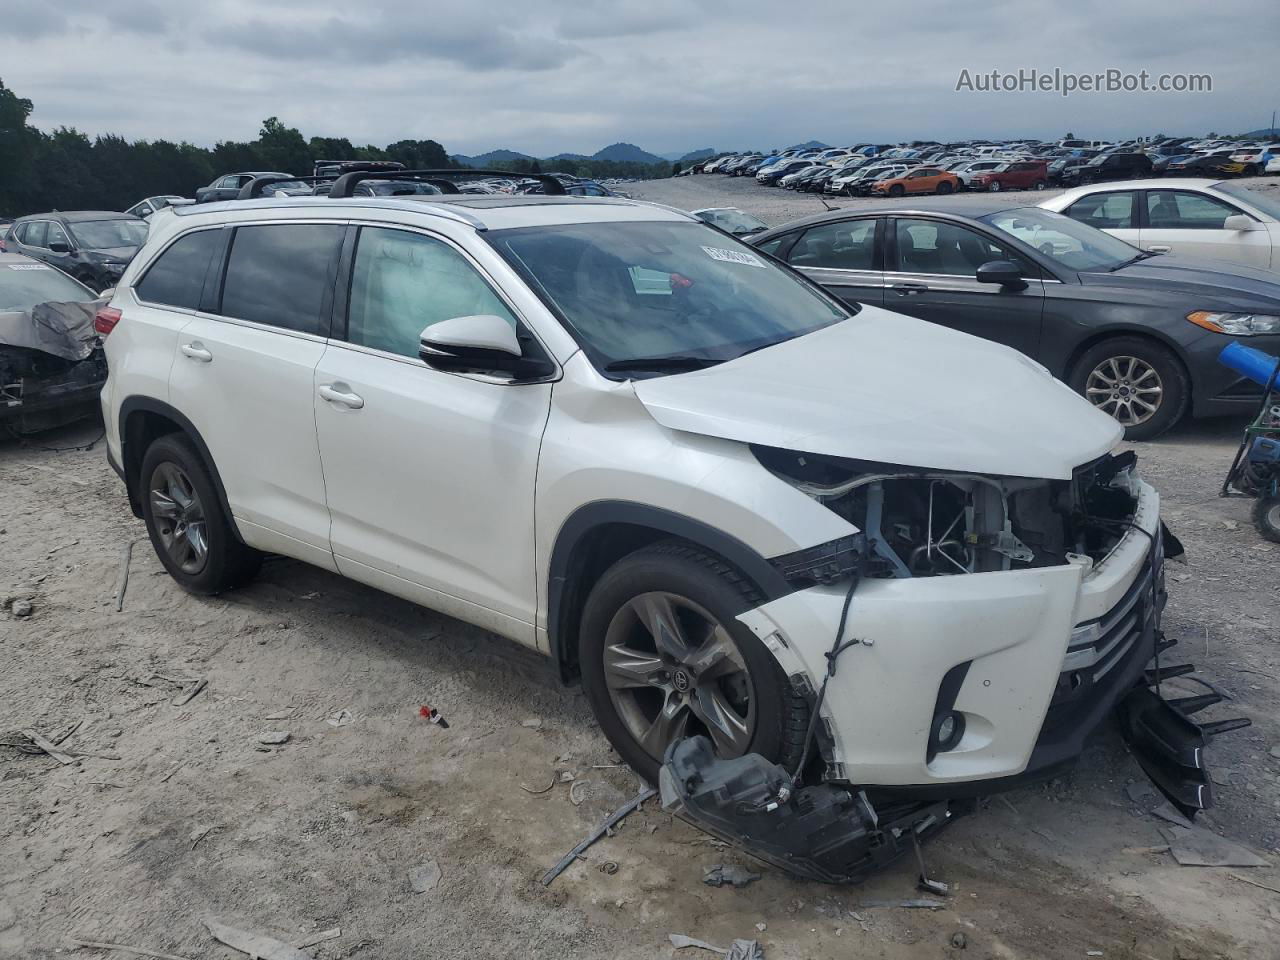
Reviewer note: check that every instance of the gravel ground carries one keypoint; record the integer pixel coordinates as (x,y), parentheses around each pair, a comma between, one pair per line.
(173,814)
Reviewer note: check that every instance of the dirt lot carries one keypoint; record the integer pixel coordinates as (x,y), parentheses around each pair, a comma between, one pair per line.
(196,819)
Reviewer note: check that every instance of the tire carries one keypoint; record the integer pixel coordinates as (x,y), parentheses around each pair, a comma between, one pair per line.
(945,188)
(176,486)
(673,581)
(1251,170)
(1122,363)
(1039,185)
(897,190)
(994,186)
(1266,517)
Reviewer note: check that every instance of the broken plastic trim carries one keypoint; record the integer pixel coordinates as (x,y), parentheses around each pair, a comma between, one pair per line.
(828,833)
(826,563)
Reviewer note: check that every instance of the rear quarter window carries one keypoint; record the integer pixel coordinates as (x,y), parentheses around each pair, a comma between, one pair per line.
(176,279)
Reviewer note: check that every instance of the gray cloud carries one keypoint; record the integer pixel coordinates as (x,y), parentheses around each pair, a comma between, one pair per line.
(668,75)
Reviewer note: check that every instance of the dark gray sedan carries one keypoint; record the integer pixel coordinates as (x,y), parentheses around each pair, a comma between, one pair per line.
(1136,333)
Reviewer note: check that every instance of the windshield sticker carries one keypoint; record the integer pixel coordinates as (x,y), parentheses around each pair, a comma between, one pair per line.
(29,266)
(732,256)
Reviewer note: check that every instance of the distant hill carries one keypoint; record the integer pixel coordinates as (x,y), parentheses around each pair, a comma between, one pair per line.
(693,156)
(811,145)
(491,158)
(564,158)
(626,153)
(1261,134)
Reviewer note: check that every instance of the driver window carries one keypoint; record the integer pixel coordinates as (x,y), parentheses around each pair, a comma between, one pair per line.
(55,235)
(402,283)
(1176,210)
(937,247)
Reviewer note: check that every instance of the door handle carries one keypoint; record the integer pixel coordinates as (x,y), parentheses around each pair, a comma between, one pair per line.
(343,397)
(908,289)
(196,351)
(1159,248)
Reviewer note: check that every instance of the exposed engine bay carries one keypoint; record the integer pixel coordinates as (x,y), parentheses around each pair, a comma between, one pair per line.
(920,523)
(51,366)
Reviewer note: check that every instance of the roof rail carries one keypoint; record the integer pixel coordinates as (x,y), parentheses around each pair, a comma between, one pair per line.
(345,184)
(253,189)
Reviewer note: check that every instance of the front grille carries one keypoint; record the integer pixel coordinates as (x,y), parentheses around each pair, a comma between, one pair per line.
(1098,646)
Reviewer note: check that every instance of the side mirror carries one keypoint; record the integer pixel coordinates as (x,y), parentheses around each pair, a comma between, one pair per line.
(479,342)
(1241,222)
(58,246)
(1003,272)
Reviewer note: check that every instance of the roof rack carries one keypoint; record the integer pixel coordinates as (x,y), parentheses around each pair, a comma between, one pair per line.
(253,189)
(345,185)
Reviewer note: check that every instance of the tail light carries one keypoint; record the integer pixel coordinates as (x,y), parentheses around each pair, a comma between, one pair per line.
(105,320)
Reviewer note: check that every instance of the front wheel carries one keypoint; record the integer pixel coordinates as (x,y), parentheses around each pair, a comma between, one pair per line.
(190,531)
(994,186)
(664,657)
(1137,381)
(1266,517)
(897,190)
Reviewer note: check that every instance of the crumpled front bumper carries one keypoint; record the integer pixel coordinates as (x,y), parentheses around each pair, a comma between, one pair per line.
(994,647)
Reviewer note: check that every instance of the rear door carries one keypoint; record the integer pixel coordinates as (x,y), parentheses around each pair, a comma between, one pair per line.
(844,257)
(430,474)
(1190,222)
(930,273)
(1115,211)
(245,376)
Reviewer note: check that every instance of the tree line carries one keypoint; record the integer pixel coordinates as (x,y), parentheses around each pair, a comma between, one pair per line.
(66,170)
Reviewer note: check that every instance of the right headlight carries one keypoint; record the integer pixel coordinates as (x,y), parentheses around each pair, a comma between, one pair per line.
(1235,324)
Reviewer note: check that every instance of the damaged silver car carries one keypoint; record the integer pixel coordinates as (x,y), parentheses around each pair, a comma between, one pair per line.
(51,362)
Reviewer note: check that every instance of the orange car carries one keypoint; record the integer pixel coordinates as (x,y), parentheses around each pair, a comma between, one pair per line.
(919,180)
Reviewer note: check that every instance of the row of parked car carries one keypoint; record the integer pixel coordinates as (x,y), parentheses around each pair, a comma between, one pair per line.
(880,169)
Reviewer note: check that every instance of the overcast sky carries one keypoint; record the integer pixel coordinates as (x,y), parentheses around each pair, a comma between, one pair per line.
(664,74)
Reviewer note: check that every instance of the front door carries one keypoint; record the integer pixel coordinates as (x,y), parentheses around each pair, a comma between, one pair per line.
(1115,211)
(930,274)
(429,475)
(1185,221)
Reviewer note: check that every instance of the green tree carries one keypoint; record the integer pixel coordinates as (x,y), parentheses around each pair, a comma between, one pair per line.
(283,148)
(18,146)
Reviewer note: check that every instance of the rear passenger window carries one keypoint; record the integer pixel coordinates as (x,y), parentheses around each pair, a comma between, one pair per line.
(849,245)
(278,275)
(1105,211)
(404,282)
(177,277)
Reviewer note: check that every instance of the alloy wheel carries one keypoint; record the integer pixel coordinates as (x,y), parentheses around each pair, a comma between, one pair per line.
(672,670)
(1127,388)
(179,518)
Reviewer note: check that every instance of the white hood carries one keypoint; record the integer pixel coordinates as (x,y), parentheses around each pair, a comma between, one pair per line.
(889,388)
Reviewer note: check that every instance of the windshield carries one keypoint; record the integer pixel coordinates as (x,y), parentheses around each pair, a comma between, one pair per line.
(23,285)
(662,291)
(1068,243)
(733,221)
(401,188)
(1267,203)
(105,234)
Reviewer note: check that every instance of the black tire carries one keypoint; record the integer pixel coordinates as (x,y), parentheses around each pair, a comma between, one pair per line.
(1251,170)
(227,562)
(1266,517)
(945,188)
(897,190)
(1040,185)
(1173,380)
(994,187)
(781,716)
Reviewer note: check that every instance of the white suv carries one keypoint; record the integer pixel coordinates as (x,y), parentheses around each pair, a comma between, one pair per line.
(615,434)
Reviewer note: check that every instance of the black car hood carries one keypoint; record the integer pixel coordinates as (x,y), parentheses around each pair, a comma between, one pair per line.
(121,254)
(1218,282)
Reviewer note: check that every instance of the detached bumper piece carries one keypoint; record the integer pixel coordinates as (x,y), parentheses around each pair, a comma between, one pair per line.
(1168,744)
(827,833)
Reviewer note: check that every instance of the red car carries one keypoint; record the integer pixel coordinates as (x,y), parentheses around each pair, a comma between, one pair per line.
(1018,175)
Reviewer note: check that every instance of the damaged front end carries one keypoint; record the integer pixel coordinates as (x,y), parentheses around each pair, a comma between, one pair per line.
(966,640)
(52,366)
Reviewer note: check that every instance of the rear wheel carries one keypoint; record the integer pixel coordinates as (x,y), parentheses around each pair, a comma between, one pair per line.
(1266,517)
(1137,381)
(664,657)
(1039,185)
(189,530)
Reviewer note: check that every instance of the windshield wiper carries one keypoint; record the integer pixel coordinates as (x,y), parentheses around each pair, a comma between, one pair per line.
(1144,255)
(673,362)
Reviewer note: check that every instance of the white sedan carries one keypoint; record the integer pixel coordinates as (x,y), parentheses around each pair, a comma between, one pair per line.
(1203,218)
